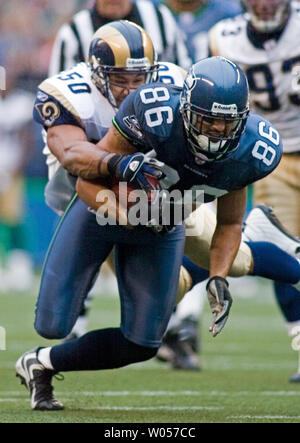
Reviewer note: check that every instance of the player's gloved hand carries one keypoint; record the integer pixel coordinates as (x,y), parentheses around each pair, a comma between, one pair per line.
(137,169)
(220,302)
(156,209)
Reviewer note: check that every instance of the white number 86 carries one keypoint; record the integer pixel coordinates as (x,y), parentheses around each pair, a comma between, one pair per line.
(155,116)
(262,154)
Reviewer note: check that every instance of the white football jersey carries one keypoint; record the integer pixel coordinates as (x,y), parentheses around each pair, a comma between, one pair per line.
(92,110)
(76,92)
(270,71)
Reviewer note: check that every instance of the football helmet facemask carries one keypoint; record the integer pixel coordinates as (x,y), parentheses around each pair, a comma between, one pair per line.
(120,47)
(214,105)
(268,15)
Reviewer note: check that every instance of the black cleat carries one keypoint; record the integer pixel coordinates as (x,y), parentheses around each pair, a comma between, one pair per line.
(37,380)
(178,353)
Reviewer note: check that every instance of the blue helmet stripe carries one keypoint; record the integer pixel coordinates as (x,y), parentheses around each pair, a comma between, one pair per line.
(103,51)
(133,36)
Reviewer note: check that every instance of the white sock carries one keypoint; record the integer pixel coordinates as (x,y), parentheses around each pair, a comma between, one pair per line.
(192,303)
(44,358)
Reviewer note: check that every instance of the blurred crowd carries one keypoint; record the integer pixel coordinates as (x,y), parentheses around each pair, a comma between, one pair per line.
(27,32)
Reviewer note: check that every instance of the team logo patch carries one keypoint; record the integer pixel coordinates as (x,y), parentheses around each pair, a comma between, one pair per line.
(49,112)
(42,96)
(132,123)
(134,165)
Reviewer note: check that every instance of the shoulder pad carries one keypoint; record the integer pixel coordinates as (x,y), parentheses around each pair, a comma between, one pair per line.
(171,74)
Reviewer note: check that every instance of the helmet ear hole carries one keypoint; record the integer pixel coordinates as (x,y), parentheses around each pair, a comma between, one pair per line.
(120,47)
(214,105)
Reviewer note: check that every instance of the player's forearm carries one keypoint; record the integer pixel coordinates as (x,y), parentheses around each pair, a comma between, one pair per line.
(85,160)
(224,248)
(76,154)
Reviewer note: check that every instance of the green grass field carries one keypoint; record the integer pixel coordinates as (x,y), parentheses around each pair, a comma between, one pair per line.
(244,378)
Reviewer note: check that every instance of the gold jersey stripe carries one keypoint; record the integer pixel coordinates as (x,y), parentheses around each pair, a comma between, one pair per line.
(48,88)
(183,72)
(213,41)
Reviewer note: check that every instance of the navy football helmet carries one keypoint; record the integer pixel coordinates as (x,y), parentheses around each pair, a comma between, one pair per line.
(215,105)
(120,47)
(268,15)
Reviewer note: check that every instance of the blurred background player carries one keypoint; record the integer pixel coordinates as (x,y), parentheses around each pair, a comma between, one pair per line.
(25,54)
(265,43)
(196,17)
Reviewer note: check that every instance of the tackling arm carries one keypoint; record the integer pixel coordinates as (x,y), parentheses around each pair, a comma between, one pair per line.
(81,158)
(88,189)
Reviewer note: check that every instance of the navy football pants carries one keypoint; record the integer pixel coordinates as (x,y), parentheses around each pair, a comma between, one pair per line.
(147,270)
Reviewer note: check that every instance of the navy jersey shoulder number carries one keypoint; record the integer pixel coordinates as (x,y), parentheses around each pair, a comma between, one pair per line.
(147,115)
(260,146)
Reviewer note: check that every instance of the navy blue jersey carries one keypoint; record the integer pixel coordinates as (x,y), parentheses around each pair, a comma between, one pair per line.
(150,118)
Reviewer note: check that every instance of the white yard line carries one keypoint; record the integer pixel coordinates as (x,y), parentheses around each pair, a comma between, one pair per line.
(265,417)
(163,393)
(155,408)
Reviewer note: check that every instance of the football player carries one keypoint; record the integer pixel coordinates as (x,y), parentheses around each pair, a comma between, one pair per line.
(264,42)
(217,151)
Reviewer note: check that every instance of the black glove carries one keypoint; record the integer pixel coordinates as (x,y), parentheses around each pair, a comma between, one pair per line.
(220,302)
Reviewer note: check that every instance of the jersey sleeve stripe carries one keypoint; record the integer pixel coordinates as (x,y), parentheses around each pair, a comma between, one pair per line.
(213,42)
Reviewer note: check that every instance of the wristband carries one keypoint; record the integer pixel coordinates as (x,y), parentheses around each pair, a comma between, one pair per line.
(216,277)
(113,163)
(102,157)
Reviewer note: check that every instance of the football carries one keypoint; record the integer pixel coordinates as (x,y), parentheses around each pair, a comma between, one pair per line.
(127,194)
